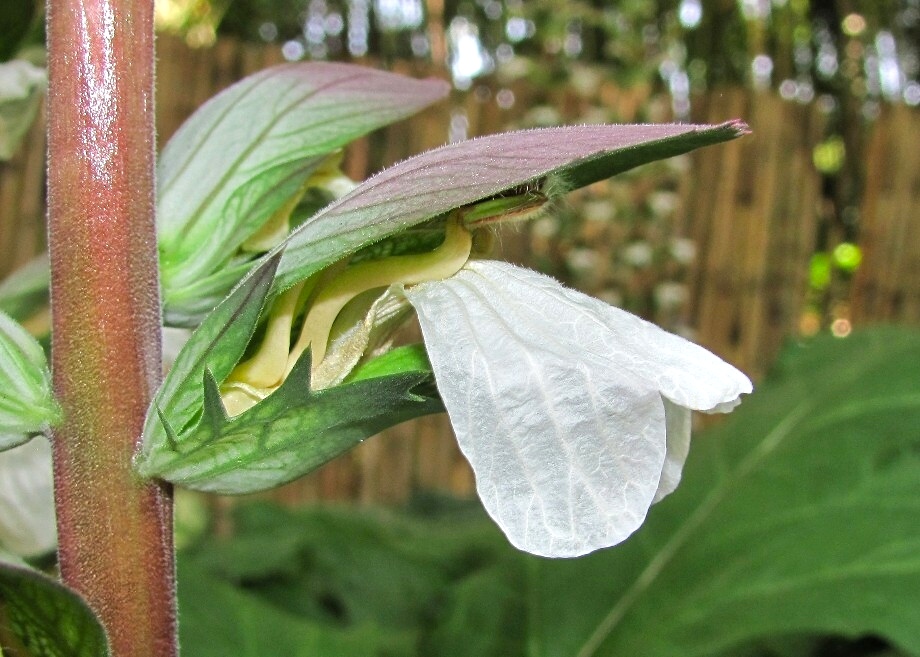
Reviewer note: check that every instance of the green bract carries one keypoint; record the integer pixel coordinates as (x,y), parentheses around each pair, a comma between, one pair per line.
(245,158)
(189,439)
(469,172)
(26,404)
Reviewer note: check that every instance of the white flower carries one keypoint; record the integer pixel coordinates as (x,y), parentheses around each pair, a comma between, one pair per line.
(574,415)
(27,499)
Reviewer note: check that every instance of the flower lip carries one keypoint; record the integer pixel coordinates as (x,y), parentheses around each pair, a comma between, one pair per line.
(573,414)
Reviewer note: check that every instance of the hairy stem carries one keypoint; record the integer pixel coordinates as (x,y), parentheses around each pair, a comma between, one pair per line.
(115,531)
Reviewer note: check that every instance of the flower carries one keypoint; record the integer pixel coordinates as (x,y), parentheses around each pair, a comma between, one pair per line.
(574,415)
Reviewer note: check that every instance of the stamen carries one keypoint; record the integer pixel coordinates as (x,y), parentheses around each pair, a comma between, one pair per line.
(266,368)
(442,262)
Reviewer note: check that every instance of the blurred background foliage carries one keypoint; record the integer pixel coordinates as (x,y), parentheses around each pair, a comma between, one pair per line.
(867,49)
(792,534)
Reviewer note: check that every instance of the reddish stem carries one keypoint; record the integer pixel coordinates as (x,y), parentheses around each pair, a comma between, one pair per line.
(115,531)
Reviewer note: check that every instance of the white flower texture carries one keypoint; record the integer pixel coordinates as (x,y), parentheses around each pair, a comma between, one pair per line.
(27,525)
(574,415)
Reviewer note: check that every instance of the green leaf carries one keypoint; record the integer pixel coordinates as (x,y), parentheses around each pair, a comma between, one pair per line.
(41,618)
(443,179)
(388,578)
(247,152)
(482,614)
(799,514)
(26,404)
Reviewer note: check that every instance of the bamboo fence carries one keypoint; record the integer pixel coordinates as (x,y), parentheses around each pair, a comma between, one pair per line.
(887,284)
(22,202)
(752,208)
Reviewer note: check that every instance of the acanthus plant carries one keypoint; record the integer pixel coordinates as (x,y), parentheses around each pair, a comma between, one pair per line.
(574,415)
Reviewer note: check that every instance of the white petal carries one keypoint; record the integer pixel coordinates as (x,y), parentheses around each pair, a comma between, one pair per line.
(685,373)
(563,404)
(678,423)
(27,524)
(567,450)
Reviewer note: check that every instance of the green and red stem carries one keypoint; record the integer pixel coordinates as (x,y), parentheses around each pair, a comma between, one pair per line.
(115,531)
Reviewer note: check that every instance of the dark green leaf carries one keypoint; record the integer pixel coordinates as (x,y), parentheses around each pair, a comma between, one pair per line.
(376,573)
(219,620)
(41,618)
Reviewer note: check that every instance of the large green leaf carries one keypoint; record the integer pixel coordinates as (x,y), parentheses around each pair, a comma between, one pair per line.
(799,514)
(246,152)
(41,618)
(342,573)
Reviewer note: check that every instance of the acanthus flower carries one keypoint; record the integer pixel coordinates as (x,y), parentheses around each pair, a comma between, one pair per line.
(574,415)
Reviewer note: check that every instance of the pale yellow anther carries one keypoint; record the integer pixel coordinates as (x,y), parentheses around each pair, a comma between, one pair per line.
(267,367)
(442,262)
